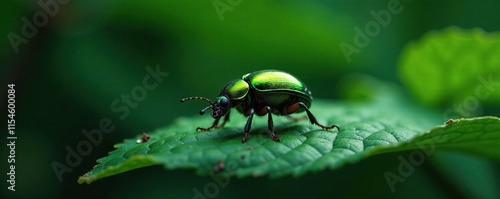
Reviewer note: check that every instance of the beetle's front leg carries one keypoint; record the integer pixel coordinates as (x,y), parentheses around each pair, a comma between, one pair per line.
(226,119)
(270,125)
(313,119)
(247,126)
(214,125)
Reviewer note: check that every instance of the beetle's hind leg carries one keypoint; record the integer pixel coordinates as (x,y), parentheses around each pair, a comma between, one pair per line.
(313,120)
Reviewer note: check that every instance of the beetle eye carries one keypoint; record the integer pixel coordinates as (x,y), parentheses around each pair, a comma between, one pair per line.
(224,102)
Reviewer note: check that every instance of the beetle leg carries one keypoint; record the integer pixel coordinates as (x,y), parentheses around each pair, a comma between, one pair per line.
(313,119)
(226,119)
(270,125)
(214,125)
(247,126)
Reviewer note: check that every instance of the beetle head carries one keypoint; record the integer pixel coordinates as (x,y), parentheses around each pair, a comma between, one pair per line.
(220,106)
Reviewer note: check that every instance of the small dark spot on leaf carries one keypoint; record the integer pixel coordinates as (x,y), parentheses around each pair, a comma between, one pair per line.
(449,121)
(218,167)
(249,147)
(145,137)
(242,156)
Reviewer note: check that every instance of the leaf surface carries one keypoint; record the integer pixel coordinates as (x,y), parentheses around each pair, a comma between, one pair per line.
(367,128)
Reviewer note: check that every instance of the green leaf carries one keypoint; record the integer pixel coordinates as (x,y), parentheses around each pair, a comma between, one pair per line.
(453,65)
(480,136)
(366,129)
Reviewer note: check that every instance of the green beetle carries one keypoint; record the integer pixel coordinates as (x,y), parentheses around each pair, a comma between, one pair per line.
(261,92)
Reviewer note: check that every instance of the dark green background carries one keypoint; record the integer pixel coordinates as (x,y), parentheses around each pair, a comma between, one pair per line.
(92,52)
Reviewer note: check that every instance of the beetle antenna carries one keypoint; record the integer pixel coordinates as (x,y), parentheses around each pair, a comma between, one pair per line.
(202,111)
(196,98)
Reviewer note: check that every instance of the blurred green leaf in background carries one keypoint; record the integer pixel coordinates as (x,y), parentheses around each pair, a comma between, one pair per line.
(446,66)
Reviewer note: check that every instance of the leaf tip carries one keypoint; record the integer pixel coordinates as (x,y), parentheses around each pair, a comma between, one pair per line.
(85,178)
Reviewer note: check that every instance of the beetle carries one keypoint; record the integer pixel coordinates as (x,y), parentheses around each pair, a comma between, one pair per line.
(261,92)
